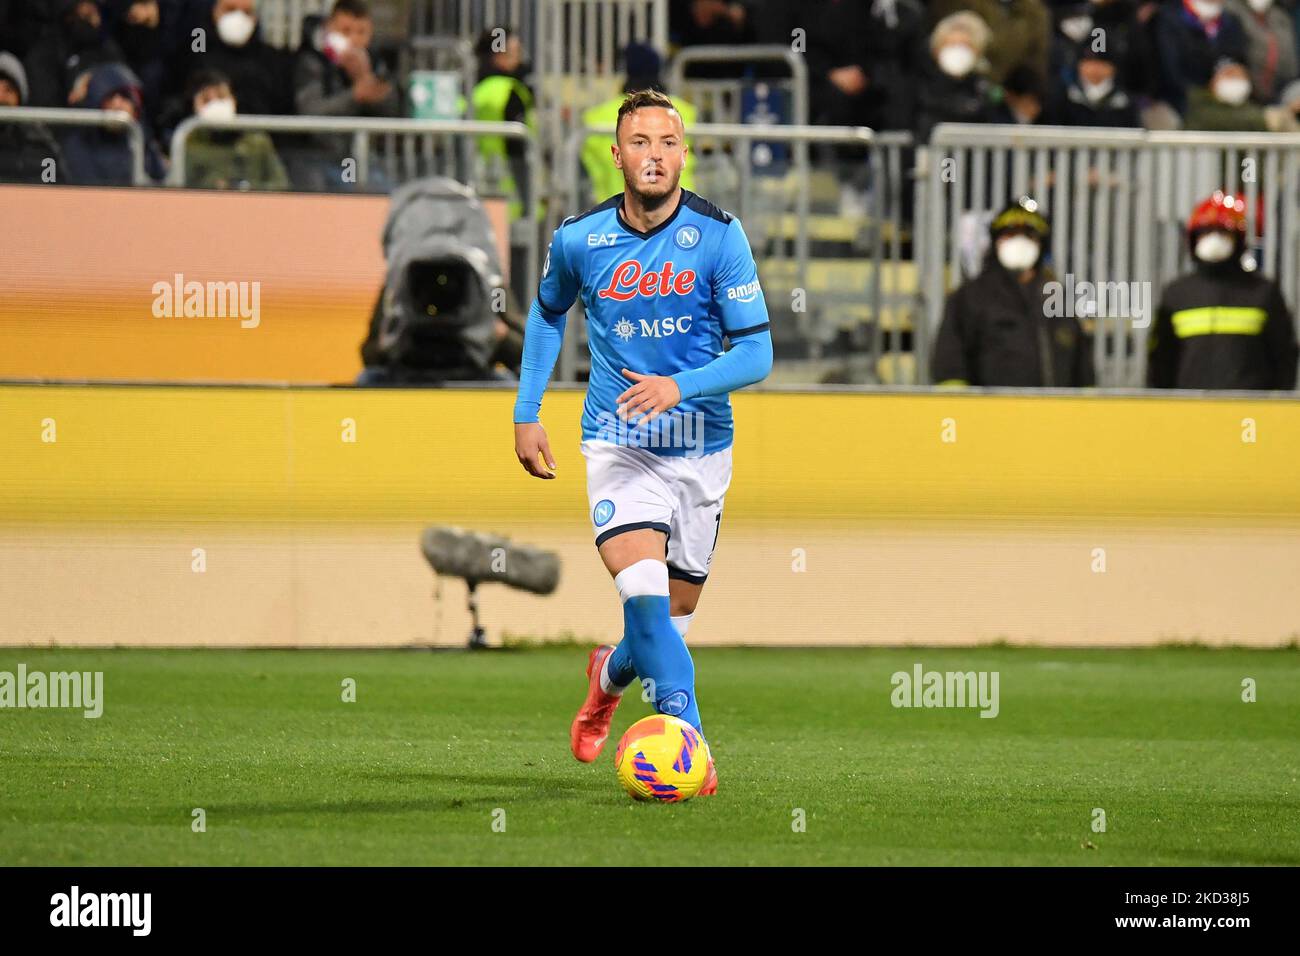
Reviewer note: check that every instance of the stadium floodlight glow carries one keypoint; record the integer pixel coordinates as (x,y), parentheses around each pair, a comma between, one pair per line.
(478,557)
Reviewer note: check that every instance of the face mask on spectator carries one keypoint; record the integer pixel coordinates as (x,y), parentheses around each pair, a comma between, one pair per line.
(235,28)
(1214,246)
(220,109)
(1260,6)
(1017,253)
(1076,28)
(1232,90)
(336,44)
(1207,9)
(1096,92)
(956,59)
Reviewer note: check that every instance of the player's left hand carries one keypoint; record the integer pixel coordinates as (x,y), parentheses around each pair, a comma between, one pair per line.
(652,395)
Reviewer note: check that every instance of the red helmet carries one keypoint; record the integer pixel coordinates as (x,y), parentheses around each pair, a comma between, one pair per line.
(1220,211)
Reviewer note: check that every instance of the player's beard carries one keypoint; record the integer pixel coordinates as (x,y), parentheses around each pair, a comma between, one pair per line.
(652,195)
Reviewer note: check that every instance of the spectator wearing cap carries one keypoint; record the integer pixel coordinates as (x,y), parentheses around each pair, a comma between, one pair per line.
(642,65)
(1222,325)
(1096,96)
(1192,38)
(1023,98)
(28,153)
(1224,105)
(1270,46)
(1019,32)
(77,44)
(101,156)
(952,87)
(218,158)
(1000,329)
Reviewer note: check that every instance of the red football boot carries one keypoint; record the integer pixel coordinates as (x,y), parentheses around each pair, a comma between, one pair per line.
(591,726)
(710,787)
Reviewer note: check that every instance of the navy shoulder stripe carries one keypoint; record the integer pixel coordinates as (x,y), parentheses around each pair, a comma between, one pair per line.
(705,208)
(609,203)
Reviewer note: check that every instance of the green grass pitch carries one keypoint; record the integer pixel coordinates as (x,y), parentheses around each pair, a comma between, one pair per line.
(415,771)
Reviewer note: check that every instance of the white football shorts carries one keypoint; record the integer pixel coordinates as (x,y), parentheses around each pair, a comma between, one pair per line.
(630,488)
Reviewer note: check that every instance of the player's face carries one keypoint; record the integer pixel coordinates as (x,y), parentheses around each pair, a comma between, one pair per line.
(651,152)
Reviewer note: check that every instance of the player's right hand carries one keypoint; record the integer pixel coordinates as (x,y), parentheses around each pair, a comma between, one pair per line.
(533,450)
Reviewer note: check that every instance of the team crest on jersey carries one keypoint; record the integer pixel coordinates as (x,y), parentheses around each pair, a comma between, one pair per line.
(688,237)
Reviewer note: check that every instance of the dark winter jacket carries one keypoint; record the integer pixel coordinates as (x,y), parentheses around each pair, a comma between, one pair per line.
(997,332)
(1221,327)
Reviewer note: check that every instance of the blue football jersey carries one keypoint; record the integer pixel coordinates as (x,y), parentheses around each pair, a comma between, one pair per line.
(657,302)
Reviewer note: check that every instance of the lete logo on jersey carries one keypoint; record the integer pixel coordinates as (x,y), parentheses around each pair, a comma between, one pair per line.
(628,282)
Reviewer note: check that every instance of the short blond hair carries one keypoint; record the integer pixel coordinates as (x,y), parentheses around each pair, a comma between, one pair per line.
(963,21)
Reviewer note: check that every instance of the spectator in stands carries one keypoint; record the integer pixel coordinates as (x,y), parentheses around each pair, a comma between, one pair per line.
(136,27)
(1270,46)
(999,329)
(952,87)
(102,157)
(1020,30)
(1224,105)
(76,45)
(228,159)
(1072,26)
(711,23)
(1096,97)
(1222,326)
(862,60)
(25,148)
(502,95)
(1192,37)
(24,22)
(642,64)
(1023,98)
(261,75)
(337,75)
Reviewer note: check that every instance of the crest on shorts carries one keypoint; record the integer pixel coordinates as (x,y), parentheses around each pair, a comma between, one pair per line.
(603,512)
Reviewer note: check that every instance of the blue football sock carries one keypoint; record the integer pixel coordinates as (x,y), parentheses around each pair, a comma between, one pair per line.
(618,666)
(657,651)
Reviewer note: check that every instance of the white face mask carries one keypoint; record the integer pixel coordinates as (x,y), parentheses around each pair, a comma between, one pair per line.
(1206,9)
(1232,90)
(235,28)
(1260,6)
(336,43)
(222,109)
(1214,246)
(1017,253)
(1076,28)
(1095,92)
(956,59)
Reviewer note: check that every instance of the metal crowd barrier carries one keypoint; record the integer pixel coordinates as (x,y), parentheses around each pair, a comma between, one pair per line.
(77,117)
(788,270)
(419,153)
(1118,201)
(719,100)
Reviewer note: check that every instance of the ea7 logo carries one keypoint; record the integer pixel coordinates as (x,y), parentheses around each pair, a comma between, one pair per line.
(601,238)
(744,293)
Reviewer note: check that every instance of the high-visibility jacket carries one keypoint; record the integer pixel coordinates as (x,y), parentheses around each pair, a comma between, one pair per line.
(1221,327)
(605,178)
(489,101)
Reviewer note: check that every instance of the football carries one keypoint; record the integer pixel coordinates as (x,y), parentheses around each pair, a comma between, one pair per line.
(662,758)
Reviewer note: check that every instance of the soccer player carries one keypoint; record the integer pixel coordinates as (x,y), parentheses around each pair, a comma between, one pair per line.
(664,276)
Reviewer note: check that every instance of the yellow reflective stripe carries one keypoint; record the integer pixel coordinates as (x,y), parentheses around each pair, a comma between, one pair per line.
(1219,320)
(953,383)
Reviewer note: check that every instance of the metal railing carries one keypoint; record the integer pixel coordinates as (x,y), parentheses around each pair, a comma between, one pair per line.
(719,100)
(767,226)
(281,20)
(466,19)
(417,153)
(102,119)
(1118,201)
